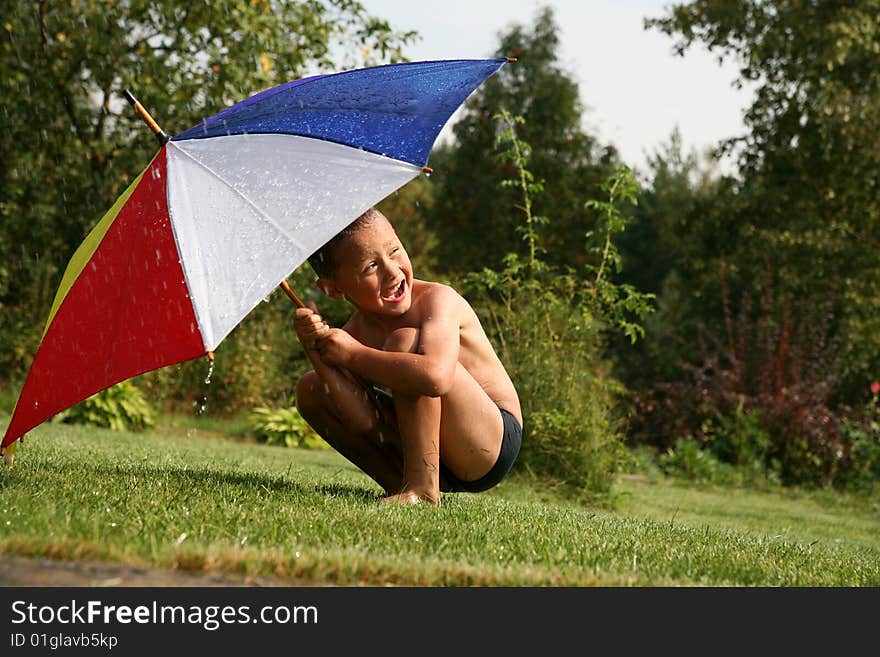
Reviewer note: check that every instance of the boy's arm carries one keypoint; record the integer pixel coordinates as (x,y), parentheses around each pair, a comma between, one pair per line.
(428,372)
(349,396)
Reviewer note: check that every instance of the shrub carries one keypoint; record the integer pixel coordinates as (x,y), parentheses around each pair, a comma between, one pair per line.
(687,459)
(122,407)
(550,346)
(581,449)
(766,383)
(741,440)
(283,426)
(861,438)
(549,326)
(639,459)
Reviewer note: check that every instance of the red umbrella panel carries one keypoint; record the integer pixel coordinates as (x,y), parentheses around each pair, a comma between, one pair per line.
(122,309)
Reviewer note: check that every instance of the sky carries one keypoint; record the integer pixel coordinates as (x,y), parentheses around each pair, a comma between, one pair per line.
(635,89)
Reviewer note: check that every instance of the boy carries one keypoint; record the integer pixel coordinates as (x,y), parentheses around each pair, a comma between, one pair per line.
(453,422)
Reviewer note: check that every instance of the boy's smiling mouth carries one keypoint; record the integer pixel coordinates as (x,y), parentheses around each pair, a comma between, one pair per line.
(396,294)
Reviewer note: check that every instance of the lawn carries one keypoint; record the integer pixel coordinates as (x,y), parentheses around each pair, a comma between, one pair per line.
(185,496)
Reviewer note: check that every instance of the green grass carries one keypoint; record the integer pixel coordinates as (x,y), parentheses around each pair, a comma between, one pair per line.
(822,517)
(196,501)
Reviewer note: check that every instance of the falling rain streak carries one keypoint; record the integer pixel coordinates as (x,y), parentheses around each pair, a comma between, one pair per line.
(203,401)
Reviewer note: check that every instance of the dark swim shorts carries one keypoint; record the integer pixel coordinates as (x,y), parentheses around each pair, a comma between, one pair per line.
(511,441)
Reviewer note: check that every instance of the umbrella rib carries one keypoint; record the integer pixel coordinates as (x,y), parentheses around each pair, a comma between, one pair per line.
(260,212)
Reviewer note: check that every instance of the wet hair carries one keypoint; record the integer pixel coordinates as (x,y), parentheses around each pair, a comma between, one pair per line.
(323,261)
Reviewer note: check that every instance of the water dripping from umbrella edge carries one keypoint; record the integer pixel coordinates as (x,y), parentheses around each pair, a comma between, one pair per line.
(203,403)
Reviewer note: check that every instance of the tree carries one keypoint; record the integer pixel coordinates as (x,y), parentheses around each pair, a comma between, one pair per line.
(652,244)
(475,222)
(671,249)
(809,194)
(770,305)
(70,143)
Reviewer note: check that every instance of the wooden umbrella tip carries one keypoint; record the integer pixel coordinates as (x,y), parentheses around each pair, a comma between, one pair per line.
(427,170)
(512,60)
(8,453)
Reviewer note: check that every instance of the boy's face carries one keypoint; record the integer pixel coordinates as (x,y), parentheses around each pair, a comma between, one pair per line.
(374,271)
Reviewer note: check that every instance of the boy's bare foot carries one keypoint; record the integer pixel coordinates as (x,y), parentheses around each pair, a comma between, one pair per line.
(410,497)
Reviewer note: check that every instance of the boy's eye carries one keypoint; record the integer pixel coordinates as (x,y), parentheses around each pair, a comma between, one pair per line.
(370,266)
(395,250)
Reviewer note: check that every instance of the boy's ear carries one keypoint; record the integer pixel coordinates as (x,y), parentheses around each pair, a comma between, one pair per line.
(328,287)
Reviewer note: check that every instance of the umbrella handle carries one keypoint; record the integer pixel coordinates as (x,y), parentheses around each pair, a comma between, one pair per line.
(293,296)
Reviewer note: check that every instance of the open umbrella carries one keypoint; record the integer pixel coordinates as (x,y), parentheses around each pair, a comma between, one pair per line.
(224,212)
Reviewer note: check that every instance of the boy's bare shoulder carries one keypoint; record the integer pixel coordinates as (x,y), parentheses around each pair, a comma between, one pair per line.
(436,292)
(438,297)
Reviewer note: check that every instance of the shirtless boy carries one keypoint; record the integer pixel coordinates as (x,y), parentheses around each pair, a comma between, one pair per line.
(453,421)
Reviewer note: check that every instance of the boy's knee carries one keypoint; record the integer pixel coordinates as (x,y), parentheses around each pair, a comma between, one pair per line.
(404,340)
(308,393)
(313,402)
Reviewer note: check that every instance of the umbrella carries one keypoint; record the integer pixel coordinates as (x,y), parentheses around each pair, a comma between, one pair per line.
(224,212)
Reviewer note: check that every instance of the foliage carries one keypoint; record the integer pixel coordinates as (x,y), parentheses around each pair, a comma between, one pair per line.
(740,439)
(732,450)
(283,426)
(70,143)
(860,433)
(807,200)
(767,386)
(549,344)
(618,301)
(553,351)
(688,460)
(667,250)
(122,407)
(768,317)
(468,206)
